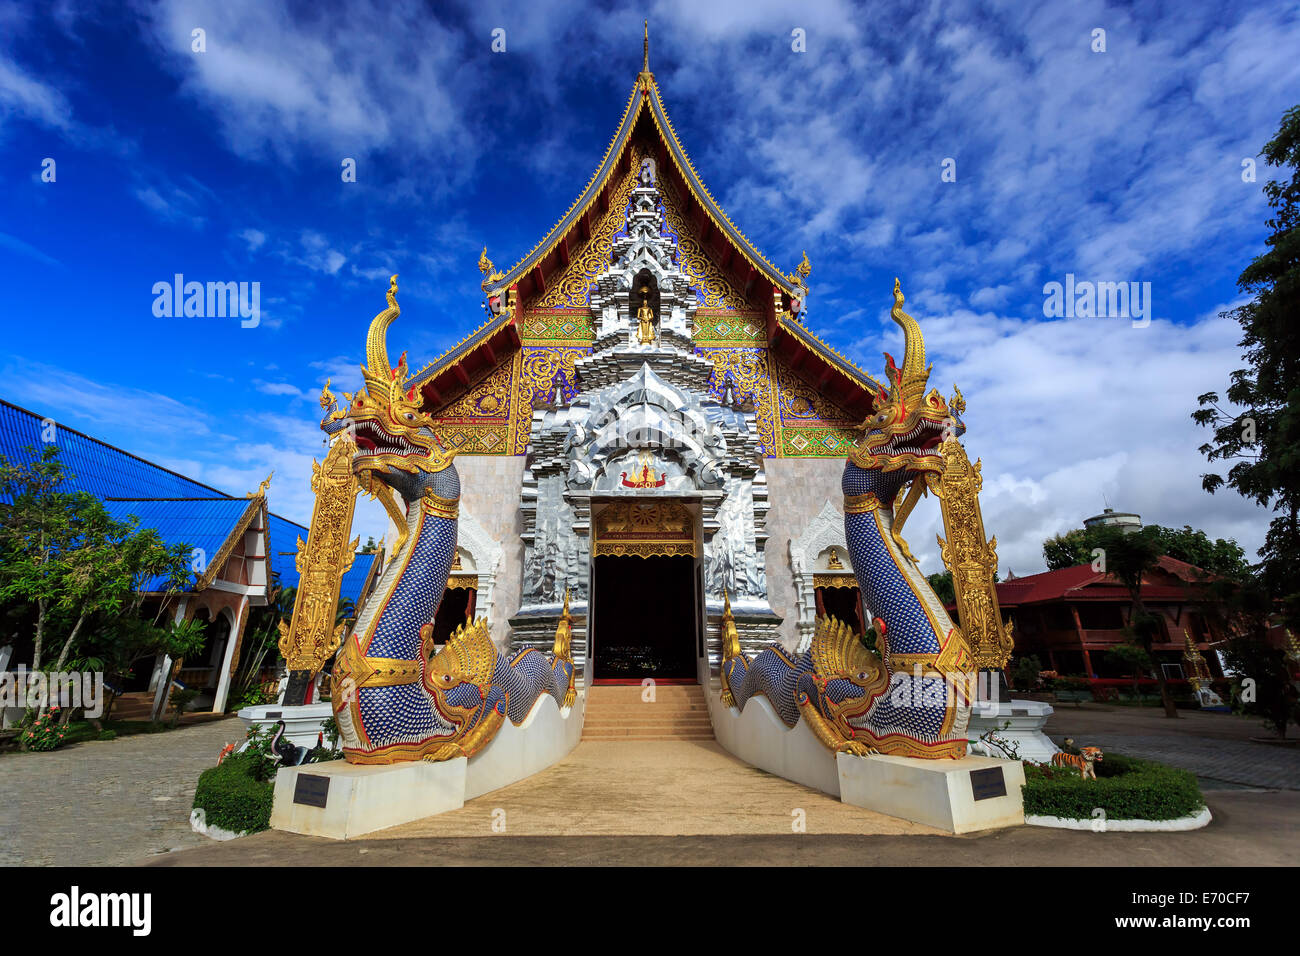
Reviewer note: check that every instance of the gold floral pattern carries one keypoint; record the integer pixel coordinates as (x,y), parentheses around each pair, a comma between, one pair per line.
(478,422)
(571,288)
(718,290)
(749,370)
(540,366)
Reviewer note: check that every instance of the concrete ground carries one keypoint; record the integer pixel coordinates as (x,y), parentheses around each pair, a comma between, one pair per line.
(106,803)
(1216,747)
(660,802)
(1249,829)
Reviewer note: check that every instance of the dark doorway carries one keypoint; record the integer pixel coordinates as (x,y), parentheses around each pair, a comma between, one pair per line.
(451,613)
(644,618)
(842,604)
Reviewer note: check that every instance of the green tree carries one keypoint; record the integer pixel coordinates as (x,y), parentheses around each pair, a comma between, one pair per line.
(1272,693)
(942,586)
(62,553)
(1263,440)
(129,639)
(1025,672)
(108,570)
(1223,557)
(37,530)
(1128,558)
(1136,659)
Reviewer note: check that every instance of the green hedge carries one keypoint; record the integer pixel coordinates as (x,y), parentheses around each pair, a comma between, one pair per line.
(232,797)
(1126,788)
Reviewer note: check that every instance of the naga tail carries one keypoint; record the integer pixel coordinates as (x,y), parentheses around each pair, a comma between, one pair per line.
(733,659)
(562,652)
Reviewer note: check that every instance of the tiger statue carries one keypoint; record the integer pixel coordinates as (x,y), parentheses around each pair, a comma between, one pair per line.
(1085,760)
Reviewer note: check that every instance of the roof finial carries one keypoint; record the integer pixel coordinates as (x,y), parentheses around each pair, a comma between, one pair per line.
(645,49)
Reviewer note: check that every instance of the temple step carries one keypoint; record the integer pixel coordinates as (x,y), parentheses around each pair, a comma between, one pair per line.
(620,713)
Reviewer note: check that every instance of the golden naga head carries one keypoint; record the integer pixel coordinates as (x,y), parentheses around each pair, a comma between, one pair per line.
(908,426)
(391,431)
(469,657)
(838,653)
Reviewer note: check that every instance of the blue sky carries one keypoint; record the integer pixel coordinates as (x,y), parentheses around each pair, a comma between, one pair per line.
(224,165)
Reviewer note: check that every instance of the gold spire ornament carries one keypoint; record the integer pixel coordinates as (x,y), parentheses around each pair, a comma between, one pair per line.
(645,48)
(262,488)
(491,275)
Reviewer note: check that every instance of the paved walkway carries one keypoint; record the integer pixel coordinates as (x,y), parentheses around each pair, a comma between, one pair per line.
(1211,745)
(664,788)
(106,803)
(1252,765)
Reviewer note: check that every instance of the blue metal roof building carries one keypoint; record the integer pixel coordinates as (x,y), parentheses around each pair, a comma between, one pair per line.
(239,545)
(180,508)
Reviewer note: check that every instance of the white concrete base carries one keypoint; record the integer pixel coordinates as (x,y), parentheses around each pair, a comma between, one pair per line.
(938,793)
(1026,719)
(934,792)
(303,724)
(546,736)
(758,736)
(1194,822)
(361,799)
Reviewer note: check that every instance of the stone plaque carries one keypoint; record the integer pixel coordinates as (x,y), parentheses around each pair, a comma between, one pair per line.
(313,790)
(274,714)
(295,692)
(984,784)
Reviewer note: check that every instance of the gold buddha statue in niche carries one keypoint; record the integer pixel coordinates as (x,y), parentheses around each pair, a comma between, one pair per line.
(645,318)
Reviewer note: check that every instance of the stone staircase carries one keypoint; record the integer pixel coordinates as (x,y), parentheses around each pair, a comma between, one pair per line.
(617,712)
(135,705)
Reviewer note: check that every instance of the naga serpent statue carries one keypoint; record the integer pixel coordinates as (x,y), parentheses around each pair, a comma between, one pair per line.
(910,695)
(392,698)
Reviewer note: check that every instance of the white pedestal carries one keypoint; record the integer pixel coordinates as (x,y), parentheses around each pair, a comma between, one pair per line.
(302,724)
(342,800)
(960,796)
(1026,719)
(359,799)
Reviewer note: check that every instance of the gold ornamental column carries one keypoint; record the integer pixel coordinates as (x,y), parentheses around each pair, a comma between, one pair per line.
(972,559)
(311,637)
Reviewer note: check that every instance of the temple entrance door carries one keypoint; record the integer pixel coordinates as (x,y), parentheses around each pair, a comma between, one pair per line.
(644,618)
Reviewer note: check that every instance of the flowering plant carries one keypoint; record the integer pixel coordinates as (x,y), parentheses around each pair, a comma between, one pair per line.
(44,732)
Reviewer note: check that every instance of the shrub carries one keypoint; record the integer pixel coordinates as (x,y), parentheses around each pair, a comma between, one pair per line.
(181,699)
(45,733)
(232,796)
(1126,788)
(107,735)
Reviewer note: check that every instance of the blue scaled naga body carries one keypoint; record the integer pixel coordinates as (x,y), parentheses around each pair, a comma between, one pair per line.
(393,698)
(903,686)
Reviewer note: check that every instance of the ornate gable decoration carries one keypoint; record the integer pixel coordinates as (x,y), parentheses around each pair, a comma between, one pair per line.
(644,528)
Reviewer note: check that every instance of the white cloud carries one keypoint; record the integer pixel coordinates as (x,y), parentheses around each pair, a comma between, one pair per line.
(22,94)
(254,238)
(344,84)
(1068,415)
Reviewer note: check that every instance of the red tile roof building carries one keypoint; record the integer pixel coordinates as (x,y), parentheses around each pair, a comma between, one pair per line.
(1070,618)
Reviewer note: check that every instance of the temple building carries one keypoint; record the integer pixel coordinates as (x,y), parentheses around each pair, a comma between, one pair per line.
(646,422)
